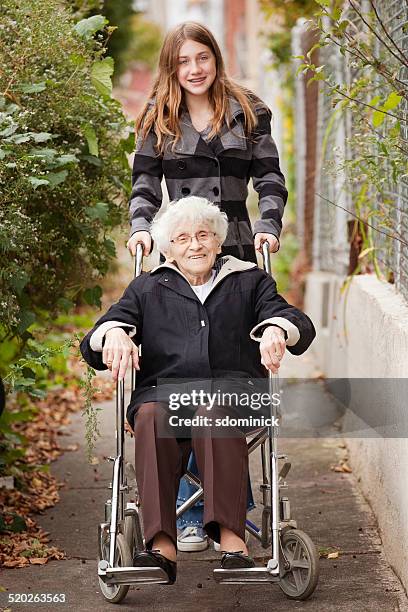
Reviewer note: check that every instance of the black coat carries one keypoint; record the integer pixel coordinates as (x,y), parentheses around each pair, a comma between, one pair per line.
(183,338)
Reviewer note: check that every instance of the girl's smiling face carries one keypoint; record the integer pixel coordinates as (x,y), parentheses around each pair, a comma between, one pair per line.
(196,68)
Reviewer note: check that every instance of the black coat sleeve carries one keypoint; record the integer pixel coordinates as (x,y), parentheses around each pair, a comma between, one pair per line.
(127,310)
(146,196)
(267,178)
(269,304)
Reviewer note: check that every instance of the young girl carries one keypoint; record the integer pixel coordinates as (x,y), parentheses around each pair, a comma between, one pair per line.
(207,136)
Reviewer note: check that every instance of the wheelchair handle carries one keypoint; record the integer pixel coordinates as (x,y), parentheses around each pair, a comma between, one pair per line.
(138,259)
(266,256)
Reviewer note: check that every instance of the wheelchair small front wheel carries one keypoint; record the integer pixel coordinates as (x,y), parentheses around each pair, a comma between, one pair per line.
(300,580)
(123,558)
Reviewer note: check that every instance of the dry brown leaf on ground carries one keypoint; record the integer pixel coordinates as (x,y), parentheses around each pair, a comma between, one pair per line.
(39,490)
(342,467)
(333,555)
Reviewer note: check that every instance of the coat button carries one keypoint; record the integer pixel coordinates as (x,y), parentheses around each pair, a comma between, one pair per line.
(216,191)
(185,190)
(181,165)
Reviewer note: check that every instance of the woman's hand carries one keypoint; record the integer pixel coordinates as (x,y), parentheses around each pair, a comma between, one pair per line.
(272,347)
(117,350)
(272,240)
(144,238)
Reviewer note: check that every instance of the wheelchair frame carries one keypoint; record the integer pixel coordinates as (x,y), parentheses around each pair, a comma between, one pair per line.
(294,562)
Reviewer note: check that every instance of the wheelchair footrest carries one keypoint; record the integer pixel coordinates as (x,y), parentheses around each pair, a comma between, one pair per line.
(251,574)
(133,575)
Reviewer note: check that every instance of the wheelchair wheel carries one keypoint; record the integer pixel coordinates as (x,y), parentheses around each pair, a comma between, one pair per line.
(300,580)
(123,558)
(133,531)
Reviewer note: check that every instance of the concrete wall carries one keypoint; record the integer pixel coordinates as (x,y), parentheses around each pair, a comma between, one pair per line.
(364,335)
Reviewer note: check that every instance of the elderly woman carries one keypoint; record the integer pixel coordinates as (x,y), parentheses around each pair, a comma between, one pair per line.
(196,317)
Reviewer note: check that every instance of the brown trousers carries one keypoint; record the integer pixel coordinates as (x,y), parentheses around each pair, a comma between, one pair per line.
(161,462)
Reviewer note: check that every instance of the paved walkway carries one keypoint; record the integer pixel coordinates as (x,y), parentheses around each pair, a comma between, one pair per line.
(326,504)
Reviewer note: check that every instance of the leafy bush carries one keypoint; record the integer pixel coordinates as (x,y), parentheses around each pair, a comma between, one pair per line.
(63,164)
(369,94)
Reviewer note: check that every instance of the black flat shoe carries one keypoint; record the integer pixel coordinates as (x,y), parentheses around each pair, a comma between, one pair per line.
(236,560)
(151,558)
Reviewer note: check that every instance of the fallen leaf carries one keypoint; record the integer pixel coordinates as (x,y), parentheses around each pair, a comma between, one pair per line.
(19,562)
(70,447)
(38,560)
(36,483)
(343,467)
(333,555)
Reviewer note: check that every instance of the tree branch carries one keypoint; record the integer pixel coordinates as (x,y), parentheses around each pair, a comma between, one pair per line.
(375,33)
(405,59)
(362,220)
(341,93)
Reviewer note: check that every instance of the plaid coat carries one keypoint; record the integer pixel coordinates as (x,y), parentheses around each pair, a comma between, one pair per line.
(219,171)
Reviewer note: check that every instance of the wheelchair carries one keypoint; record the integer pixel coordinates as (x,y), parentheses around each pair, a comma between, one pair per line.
(294,560)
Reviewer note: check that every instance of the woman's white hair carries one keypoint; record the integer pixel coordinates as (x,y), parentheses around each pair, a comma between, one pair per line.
(193,210)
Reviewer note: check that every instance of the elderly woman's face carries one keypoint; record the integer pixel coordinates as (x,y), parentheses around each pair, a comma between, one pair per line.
(194,248)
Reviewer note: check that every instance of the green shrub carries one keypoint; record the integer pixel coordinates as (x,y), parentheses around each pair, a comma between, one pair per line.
(63,165)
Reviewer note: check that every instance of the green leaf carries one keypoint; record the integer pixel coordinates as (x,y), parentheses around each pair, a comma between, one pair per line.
(32,87)
(110,247)
(323,2)
(92,296)
(16,417)
(375,101)
(18,138)
(55,178)
(77,60)
(41,136)
(37,182)
(336,14)
(392,101)
(64,304)
(101,73)
(4,154)
(27,318)
(18,524)
(128,144)
(91,140)
(8,131)
(19,281)
(99,211)
(378,118)
(91,159)
(46,154)
(37,393)
(86,28)
(69,158)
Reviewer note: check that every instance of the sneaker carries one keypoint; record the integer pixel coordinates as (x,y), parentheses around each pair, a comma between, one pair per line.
(217,546)
(192,539)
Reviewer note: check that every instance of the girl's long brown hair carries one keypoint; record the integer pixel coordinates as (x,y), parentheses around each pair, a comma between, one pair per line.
(163,116)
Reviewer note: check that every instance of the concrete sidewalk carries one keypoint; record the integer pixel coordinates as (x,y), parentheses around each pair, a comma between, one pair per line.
(326,504)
